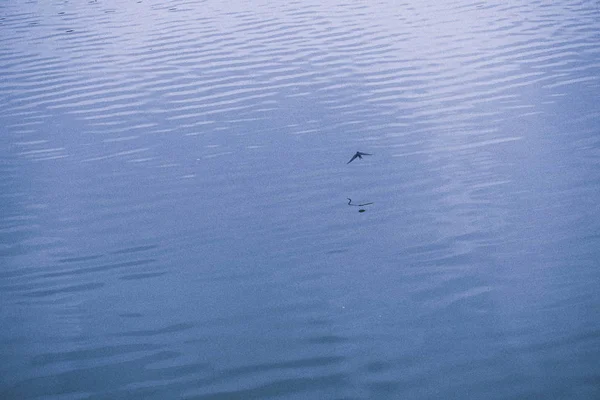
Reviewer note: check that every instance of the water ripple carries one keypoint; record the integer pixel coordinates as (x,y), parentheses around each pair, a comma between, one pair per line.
(173,180)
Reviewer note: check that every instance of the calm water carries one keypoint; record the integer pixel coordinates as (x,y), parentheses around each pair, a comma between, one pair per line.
(173,194)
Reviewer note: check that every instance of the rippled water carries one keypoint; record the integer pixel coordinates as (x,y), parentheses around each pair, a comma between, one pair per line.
(174,193)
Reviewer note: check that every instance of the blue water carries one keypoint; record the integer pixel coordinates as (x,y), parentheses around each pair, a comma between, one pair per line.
(173,193)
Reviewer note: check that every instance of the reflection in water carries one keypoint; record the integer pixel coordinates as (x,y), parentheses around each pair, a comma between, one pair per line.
(358,205)
(150,239)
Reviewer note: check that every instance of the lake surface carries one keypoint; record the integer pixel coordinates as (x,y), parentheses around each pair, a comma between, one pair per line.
(173,194)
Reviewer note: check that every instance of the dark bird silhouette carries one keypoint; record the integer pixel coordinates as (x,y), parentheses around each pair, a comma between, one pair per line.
(358,155)
(357,205)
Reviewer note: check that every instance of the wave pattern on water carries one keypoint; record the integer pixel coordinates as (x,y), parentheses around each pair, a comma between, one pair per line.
(173,181)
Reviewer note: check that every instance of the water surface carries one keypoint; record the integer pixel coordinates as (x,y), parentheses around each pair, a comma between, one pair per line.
(174,218)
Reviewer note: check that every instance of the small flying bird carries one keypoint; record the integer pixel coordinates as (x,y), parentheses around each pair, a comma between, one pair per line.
(358,155)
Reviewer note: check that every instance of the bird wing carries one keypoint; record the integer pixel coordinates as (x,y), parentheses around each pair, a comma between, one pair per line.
(365,154)
(352,159)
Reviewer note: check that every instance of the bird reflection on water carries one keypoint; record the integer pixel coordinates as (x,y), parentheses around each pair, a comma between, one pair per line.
(358,205)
